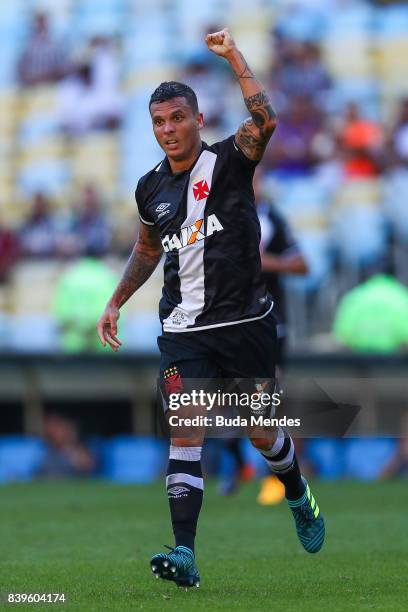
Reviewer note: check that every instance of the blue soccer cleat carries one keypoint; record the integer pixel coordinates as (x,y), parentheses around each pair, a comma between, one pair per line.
(309,521)
(178,566)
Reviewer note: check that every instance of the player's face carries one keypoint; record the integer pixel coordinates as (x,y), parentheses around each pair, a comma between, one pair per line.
(176,127)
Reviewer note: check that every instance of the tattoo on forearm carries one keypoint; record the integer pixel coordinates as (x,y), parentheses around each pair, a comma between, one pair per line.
(246,72)
(139,268)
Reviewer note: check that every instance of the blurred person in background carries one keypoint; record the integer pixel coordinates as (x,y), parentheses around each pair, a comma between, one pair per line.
(43,59)
(208,83)
(373,317)
(38,234)
(80,295)
(89,98)
(361,144)
(66,456)
(280,255)
(399,136)
(298,69)
(9,252)
(293,154)
(89,230)
(105,67)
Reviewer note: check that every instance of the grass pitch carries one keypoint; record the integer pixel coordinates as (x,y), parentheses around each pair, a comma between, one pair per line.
(94,540)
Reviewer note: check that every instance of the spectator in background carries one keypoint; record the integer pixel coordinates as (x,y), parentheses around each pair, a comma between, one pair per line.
(373,317)
(209,84)
(280,255)
(299,70)
(80,293)
(361,144)
(293,153)
(104,64)
(38,233)
(43,60)
(9,252)
(66,455)
(399,136)
(89,98)
(90,225)
(87,231)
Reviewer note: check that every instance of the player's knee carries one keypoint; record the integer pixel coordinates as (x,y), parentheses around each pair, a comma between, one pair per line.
(182,442)
(262,443)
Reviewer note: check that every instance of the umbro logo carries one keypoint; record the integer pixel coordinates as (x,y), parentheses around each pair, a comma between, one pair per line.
(162,206)
(178,490)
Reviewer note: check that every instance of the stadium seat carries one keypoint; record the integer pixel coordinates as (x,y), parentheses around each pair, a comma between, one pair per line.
(364,91)
(131,459)
(51,177)
(4,328)
(367,243)
(20,457)
(396,209)
(33,333)
(358,20)
(139,332)
(349,56)
(300,21)
(392,21)
(358,206)
(99,18)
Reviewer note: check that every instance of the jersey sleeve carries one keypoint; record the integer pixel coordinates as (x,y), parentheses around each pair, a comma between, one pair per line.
(283,240)
(231,150)
(143,214)
(240,156)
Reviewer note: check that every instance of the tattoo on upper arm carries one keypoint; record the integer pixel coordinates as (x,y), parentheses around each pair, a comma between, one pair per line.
(254,133)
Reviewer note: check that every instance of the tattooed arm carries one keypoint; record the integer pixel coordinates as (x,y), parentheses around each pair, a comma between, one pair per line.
(145,256)
(254,133)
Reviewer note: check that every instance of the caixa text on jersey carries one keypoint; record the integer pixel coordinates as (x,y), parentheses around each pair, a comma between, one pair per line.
(199,230)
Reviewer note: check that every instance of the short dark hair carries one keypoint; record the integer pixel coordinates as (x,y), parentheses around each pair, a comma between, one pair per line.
(173,89)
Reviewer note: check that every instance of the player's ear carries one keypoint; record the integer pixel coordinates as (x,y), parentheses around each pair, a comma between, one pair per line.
(200,120)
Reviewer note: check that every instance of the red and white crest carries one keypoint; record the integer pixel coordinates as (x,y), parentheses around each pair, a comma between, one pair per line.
(200,190)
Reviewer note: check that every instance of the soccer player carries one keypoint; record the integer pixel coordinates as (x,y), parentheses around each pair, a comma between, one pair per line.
(198,206)
(280,255)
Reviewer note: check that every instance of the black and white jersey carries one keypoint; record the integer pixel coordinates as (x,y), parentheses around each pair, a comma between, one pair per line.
(276,239)
(210,233)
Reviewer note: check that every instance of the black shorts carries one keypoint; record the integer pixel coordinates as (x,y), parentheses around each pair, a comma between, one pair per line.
(242,351)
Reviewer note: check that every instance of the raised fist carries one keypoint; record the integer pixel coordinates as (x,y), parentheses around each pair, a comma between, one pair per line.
(220,43)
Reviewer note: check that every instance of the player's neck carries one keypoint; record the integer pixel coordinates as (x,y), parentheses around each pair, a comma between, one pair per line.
(181,165)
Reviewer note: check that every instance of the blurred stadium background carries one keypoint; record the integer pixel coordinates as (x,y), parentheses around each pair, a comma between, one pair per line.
(75,136)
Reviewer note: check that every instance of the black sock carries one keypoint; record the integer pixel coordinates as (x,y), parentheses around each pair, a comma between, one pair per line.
(185,492)
(282,461)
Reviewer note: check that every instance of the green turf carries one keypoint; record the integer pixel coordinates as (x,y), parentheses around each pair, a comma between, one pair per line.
(94,540)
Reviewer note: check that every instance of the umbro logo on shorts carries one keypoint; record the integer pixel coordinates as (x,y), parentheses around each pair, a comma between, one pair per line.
(191,234)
